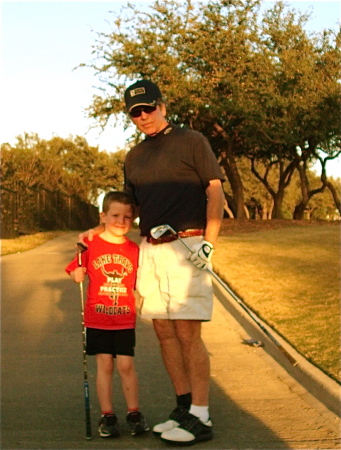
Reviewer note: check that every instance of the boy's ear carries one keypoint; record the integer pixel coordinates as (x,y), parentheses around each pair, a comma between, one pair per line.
(101,217)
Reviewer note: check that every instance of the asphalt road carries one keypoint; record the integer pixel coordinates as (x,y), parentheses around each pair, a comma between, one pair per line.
(255,403)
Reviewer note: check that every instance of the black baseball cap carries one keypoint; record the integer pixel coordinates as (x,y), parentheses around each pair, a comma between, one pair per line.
(143,92)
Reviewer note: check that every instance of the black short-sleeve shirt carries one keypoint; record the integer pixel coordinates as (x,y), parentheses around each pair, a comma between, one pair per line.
(168,175)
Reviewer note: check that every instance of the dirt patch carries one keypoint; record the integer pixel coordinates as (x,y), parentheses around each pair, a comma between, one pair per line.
(237,226)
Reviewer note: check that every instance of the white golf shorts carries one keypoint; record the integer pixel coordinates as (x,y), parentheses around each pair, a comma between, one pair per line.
(170,286)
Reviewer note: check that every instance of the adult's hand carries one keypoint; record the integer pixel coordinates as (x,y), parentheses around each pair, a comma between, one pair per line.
(201,254)
(90,234)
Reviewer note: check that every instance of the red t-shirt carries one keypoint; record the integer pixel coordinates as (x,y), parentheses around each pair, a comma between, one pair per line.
(111,268)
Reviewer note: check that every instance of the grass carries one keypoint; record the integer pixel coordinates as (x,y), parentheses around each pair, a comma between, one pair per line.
(27,242)
(289,275)
(291,278)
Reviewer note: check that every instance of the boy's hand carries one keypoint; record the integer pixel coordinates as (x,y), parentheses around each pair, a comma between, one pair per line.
(78,275)
(90,233)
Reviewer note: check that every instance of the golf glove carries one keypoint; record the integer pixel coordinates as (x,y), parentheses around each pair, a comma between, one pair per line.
(201,254)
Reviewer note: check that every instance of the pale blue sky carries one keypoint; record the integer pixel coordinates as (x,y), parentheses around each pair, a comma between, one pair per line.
(42,41)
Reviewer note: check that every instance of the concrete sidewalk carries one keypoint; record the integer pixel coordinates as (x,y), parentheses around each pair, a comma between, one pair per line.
(255,402)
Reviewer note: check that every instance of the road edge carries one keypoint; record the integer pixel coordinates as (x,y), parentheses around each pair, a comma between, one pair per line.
(323,388)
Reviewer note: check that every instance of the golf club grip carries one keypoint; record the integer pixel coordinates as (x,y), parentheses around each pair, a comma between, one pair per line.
(270,336)
(252,315)
(88,432)
(278,345)
(287,355)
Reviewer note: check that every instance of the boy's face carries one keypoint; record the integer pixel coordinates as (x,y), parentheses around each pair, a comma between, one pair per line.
(119,219)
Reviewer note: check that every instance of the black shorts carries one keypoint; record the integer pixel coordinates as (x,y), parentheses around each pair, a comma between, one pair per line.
(113,342)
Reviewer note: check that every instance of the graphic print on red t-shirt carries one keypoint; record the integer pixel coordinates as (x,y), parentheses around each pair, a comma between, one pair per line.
(111,269)
(115,268)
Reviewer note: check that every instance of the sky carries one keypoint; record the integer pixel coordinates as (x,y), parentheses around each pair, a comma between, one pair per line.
(41,44)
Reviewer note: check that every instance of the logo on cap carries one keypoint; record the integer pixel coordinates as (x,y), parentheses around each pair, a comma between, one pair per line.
(137,91)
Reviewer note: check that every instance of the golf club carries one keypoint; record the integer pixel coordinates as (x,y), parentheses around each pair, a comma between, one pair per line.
(159,231)
(88,433)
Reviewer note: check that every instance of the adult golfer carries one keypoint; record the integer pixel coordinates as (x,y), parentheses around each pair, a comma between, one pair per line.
(175,179)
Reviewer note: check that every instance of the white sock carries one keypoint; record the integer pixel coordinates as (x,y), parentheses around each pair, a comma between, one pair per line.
(201,412)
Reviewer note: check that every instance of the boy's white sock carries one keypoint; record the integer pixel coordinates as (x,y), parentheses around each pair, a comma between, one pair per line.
(201,412)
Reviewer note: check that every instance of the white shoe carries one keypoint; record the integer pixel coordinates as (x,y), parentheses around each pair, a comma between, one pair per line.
(190,431)
(172,422)
(165,426)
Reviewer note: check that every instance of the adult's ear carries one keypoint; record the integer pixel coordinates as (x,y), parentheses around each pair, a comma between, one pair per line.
(163,109)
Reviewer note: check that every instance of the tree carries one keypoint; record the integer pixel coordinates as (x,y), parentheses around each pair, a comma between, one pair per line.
(298,110)
(255,88)
(332,185)
(258,201)
(322,205)
(306,192)
(24,163)
(174,45)
(68,165)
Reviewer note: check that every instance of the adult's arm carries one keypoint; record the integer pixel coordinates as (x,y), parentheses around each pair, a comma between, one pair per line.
(90,234)
(214,211)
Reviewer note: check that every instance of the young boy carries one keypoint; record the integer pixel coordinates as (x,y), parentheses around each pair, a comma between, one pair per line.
(110,262)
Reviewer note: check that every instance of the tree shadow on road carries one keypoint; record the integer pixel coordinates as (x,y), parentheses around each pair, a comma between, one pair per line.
(42,375)
(49,391)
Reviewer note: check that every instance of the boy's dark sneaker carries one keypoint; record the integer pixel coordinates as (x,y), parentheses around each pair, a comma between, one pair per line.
(189,431)
(173,420)
(108,426)
(137,423)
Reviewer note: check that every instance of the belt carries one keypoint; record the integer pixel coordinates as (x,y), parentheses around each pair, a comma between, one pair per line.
(172,237)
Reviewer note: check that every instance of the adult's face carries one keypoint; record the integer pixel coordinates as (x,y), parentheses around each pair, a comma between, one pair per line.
(150,123)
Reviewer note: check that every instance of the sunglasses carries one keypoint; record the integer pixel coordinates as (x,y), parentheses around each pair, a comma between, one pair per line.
(136,112)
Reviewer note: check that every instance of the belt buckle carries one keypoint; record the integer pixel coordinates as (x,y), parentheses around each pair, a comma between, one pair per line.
(172,237)
(162,239)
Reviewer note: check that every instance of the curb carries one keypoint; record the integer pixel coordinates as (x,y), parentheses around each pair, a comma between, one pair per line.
(323,388)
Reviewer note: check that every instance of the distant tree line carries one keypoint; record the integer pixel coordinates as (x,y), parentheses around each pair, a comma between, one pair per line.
(28,210)
(54,184)
(71,167)
(262,89)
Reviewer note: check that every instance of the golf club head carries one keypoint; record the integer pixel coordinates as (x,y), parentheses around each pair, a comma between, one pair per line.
(160,230)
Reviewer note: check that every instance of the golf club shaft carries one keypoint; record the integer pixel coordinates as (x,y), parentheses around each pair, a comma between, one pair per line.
(246,308)
(88,431)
